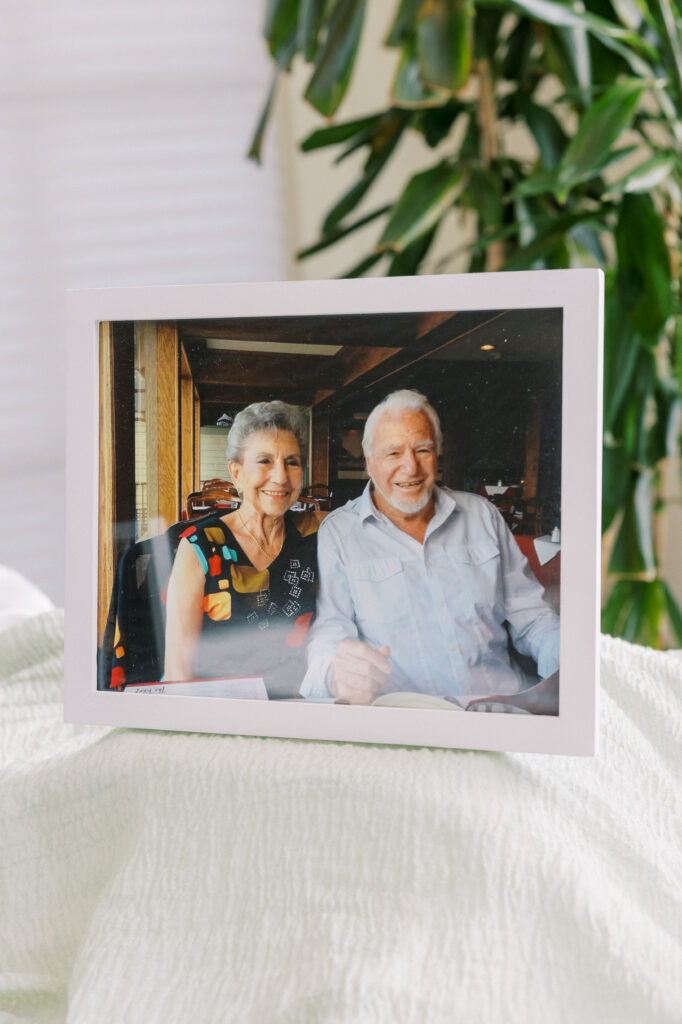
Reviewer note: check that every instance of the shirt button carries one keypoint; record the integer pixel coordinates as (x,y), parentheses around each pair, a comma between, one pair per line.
(453,647)
(428,563)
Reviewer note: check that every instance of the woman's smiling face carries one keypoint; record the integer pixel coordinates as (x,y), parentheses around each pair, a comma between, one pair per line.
(270,474)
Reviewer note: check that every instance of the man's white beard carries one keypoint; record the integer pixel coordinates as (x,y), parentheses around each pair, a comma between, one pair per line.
(406,508)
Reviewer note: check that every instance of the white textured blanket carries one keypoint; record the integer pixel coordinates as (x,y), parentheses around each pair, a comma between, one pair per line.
(148,877)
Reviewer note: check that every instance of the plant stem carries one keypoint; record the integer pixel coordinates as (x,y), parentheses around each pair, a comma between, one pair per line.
(490,145)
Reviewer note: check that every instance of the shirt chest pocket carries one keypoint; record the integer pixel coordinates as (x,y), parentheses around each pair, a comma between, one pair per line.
(380,590)
(476,569)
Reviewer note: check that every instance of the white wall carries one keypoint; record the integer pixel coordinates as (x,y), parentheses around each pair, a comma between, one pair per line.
(123,130)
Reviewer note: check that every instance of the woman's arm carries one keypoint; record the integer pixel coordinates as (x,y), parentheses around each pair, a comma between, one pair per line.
(184,612)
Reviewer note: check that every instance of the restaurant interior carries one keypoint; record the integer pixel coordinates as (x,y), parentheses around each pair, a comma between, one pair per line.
(169,392)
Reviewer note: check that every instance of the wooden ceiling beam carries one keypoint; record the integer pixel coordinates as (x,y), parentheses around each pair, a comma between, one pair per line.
(354,362)
(441,335)
(224,395)
(269,369)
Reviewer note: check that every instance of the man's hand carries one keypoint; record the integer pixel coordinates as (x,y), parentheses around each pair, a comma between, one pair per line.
(541,699)
(359,672)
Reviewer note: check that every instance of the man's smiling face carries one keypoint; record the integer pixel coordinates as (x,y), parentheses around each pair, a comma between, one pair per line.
(403,462)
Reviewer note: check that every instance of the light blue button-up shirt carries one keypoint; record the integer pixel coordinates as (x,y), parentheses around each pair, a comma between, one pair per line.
(446,607)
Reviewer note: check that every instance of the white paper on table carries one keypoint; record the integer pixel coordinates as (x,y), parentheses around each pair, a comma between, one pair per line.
(242,688)
(546,548)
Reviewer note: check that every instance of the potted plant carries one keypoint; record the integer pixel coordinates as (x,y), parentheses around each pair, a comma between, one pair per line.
(597,88)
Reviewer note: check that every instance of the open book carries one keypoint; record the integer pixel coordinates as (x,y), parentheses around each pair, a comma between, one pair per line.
(409,699)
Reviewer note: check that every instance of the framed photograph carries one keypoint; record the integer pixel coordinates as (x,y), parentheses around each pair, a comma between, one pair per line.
(358,510)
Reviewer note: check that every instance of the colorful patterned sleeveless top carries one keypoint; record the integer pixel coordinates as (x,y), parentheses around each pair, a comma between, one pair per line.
(256,620)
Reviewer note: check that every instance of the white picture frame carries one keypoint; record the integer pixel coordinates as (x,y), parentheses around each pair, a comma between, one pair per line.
(579,296)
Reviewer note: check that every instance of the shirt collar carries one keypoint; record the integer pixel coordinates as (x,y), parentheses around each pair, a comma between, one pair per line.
(444,505)
(366,506)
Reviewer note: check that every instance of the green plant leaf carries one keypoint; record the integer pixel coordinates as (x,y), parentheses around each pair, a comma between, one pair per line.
(621,348)
(336,58)
(281,20)
(435,123)
(309,23)
(633,550)
(541,182)
(645,177)
(424,201)
(384,139)
(517,62)
(285,56)
(623,42)
(444,41)
(364,138)
(554,12)
(361,268)
(337,133)
(546,130)
(338,233)
(608,65)
(663,437)
(408,90)
(558,257)
(637,414)
(634,14)
(407,262)
(348,201)
(404,25)
(478,248)
(617,609)
(644,269)
(256,144)
(487,24)
(528,214)
(486,191)
(588,245)
(550,234)
(470,148)
(599,128)
(635,611)
(649,630)
(615,475)
(673,40)
(574,46)
(673,611)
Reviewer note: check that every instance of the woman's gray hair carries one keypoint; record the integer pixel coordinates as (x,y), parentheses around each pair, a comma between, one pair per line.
(395,403)
(272,416)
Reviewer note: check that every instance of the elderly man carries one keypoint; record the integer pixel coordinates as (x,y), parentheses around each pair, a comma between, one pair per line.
(421,587)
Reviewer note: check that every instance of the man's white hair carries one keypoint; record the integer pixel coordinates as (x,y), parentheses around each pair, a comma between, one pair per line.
(395,403)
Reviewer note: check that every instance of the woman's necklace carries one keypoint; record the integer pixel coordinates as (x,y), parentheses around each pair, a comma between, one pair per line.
(256,541)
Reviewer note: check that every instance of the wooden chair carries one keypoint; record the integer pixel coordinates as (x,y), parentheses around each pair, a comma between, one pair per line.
(133,644)
(320,495)
(215,496)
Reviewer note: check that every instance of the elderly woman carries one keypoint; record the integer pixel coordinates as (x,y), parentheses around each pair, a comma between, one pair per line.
(242,591)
